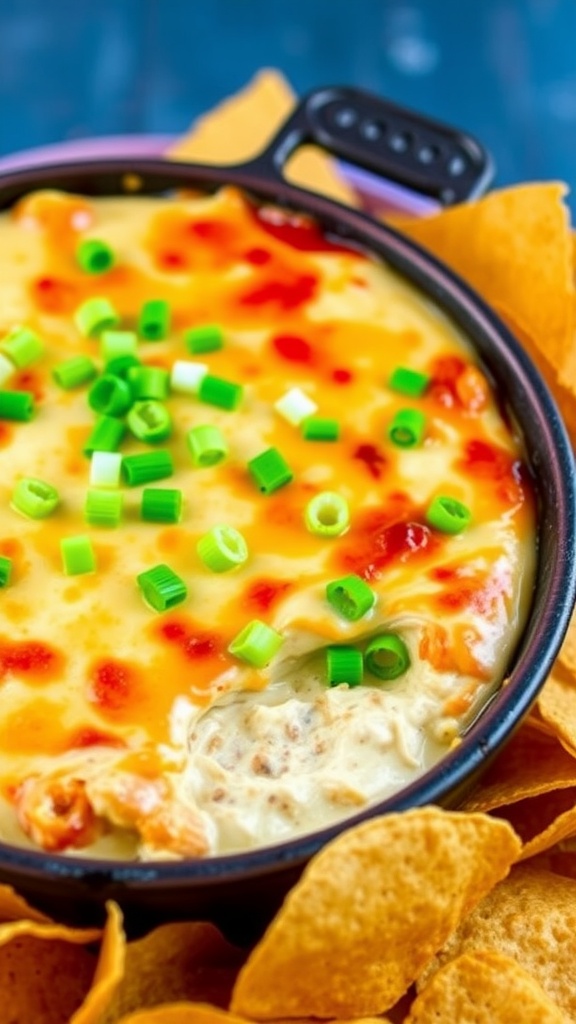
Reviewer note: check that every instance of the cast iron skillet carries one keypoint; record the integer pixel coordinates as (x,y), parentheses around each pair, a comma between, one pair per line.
(241,891)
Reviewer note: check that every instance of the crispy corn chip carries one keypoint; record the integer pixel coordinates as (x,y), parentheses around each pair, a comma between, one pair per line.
(530,916)
(515,247)
(175,962)
(369,912)
(542,821)
(183,1013)
(556,706)
(242,125)
(45,970)
(532,763)
(109,970)
(13,907)
(483,988)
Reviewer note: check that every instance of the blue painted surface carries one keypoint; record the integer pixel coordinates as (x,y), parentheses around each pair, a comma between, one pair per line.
(503,69)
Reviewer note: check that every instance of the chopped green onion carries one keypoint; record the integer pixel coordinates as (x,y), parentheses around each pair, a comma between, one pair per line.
(17,406)
(407,428)
(161,588)
(206,338)
(256,644)
(319,428)
(222,548)
(149,421)
(387,656)
(106,436)
(22,346)
(94,316)
(147,467)
(327,514)
(154,320)
(110,396)
(351,597)
(207,445)
(77,555)
(94,256)
(186,377)
(5,570)
(344,665)
(120,366)
(7,369)
(34,498)
(448,514)
(105,469)
(270,470)
(408,382)
(149,382)
(103,507)
(74,372)
(114,344)
(161,505)
(295,406)
(217,391)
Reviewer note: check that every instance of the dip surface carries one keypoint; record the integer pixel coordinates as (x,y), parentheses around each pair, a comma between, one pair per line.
(131,732)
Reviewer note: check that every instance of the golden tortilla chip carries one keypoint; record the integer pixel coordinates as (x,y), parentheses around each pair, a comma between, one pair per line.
(240,127)
(531,917)
(13,907)
(531,763)
(542,821)
(483,988)
(556,705)
(183,1013)
(176,962)
(369,912)
(514,246)
(109,970)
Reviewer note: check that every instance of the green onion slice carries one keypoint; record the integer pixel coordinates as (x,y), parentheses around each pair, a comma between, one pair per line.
(105,469)
(114,344)
(105,436)
(351,597)
(344,665)
(256,644)
(74,372)
(448,514)
(5,570)
(17,406)
(270,470)
(77,555)
(295,406)
(94,256)
(320,428)
(147,467)
(34,498)
(327,514)
(22,346)
(7,369)
(408,382)
(205,338)
(186,377)
(110,396)
(225,394)
(222,548)
(207,445)
(149,421)
(407,428)
(103,507)
(386,656)
(161,505)
(96,315)
(149,382)
(120,366)
(161,588)
(154,320)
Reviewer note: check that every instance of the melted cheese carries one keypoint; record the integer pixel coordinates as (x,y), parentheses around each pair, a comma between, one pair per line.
(129,733)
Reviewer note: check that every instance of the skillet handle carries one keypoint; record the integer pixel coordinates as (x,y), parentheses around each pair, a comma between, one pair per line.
(416,154)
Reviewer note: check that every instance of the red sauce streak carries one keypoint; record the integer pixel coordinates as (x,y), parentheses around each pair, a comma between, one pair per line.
(257,256)
(6,433)
(29,380)
(30,658)
(172,260)
(113,685)
(90,737)
(263,594)
(53,296)
(296,231)
(215,232)
(195,644)
(372,458)
(292,348)
(444,373)
(286,294)
(342,376)
(375,545)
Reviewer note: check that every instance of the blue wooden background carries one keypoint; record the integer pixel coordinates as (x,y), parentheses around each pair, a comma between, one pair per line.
(503,69)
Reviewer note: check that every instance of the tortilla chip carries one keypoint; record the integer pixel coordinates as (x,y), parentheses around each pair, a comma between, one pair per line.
(532,763)
(183,1013)
(514,246)
(556,705)
(13,907)
(483,988)
(240,127)
(109,970)
(530,916)
(176,962)
(369,912)
(542,821)
(45,970)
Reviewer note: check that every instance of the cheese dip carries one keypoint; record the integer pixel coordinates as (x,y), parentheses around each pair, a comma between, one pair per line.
(267,535)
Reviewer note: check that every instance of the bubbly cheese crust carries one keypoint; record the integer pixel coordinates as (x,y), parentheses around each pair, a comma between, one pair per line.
(125,732)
